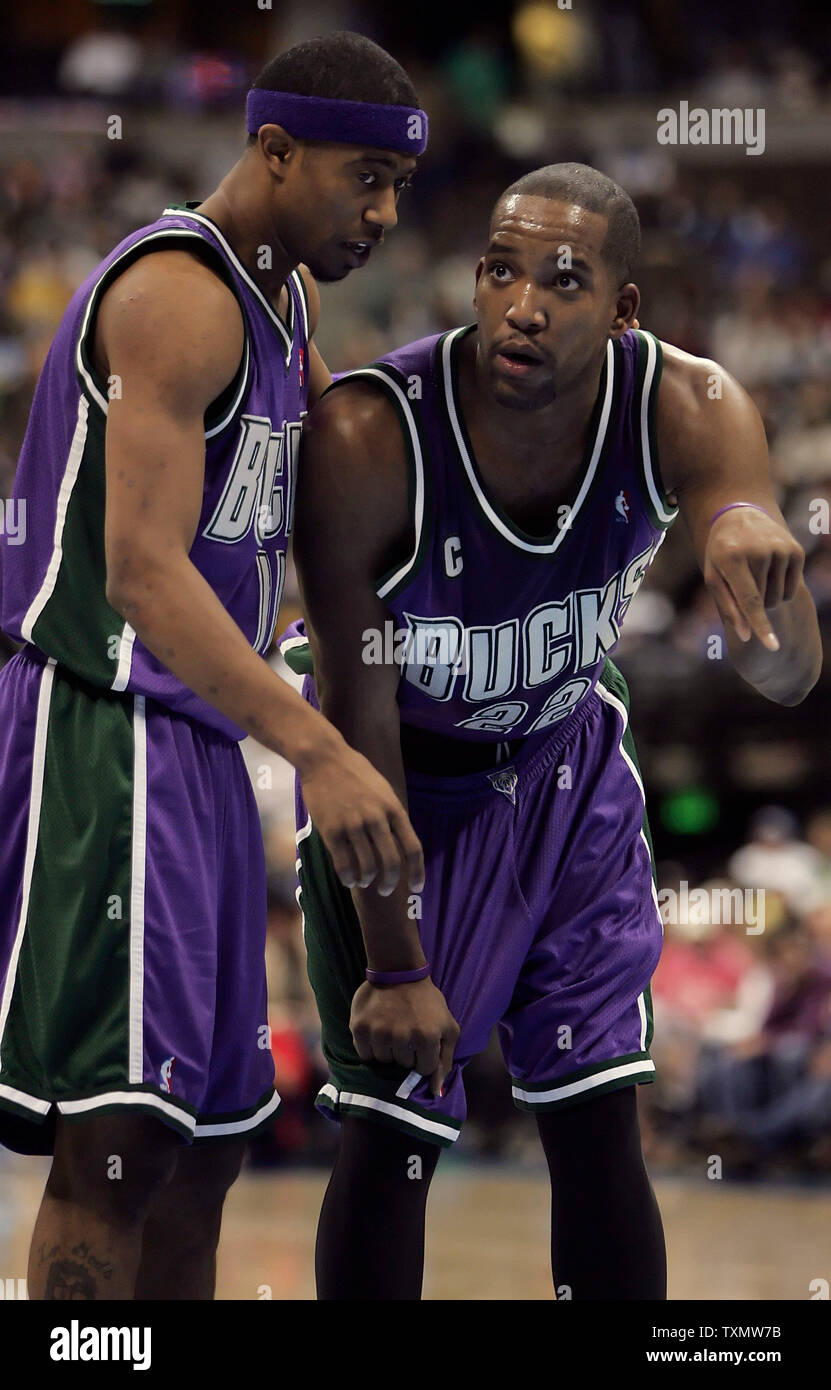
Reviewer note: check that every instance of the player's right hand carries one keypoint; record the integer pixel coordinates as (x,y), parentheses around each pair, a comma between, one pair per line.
(363,824)
(409,1024)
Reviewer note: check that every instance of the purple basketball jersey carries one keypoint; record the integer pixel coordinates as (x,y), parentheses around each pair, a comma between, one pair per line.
(503,634)
(53,587)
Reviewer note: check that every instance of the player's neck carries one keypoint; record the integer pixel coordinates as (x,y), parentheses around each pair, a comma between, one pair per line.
(241,223)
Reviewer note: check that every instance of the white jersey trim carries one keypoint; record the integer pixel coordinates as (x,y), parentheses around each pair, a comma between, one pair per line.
(648,471)
(617,704)
(384,1107)
(388,380)
(286,331)
(301,835)
(586,1083)
(208,1130)
(241,390)
(70,477)
(26,1102)
(137,892)
(534,547)
(622,711)
(304,303)
(142,1099)
(264,578)
(126,643)
(85,375)
(32,829)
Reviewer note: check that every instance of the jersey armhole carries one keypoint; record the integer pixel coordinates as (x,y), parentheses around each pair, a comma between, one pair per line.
(394,386)
(303,301)
(648,379)
(222,409)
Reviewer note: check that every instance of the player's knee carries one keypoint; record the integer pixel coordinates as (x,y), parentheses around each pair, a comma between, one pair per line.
(113,1165)
(603,1129)
(377,1153)
(206,1174)
(189,1210)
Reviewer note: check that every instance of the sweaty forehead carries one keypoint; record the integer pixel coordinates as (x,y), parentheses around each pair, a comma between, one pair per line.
(524,216)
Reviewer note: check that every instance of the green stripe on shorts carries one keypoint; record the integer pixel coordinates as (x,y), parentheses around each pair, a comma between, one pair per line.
(67,1032)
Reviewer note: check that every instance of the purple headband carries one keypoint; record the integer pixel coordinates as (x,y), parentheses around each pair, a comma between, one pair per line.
(401,128)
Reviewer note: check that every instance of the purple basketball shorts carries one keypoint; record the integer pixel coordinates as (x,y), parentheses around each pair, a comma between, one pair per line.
(132,915)
(539,915)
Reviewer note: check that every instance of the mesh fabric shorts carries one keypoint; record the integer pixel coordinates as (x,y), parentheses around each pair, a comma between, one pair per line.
(539,914)
(132,915)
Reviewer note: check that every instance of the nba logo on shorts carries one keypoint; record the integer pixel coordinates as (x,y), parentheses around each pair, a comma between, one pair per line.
(505,782)
(167,1073)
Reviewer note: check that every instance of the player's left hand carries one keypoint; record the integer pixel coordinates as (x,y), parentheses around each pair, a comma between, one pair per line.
(751,563)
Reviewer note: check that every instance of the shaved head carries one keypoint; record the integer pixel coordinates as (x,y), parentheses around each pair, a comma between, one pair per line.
(587,188)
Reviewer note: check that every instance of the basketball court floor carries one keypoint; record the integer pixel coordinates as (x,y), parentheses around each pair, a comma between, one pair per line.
(487,1234)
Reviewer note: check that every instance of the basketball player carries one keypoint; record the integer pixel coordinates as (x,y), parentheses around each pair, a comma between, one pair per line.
(484,506)
(159,467)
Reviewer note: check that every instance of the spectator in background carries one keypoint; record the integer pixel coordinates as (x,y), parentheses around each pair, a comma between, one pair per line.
(709,985)
(818,924)
(818,580)
(802,453)
(775,859)
(818,835)
(774,1088)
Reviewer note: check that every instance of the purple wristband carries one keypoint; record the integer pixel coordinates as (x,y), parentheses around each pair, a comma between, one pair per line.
(397,977)
(730,505)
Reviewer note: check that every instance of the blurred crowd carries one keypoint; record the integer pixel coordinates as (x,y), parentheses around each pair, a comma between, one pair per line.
(734,267)
(742,1007)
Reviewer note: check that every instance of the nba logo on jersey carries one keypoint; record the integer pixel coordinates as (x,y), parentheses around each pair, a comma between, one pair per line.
(167,1073)
(622,506)
(301,365)
(505,782)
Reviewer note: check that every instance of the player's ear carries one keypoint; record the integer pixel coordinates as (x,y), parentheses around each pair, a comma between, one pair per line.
(480,267)
(626,310)
(277,145)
